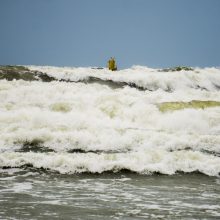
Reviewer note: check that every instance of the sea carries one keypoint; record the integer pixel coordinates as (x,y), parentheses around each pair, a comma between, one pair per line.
(89,143)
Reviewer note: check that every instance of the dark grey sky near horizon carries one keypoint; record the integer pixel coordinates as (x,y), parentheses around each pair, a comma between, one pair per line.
(153,33)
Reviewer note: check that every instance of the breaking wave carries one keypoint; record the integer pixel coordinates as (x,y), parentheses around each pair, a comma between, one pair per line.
(139,77)
(74,120)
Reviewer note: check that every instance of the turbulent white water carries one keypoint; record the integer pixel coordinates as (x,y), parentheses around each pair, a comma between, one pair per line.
(114,128)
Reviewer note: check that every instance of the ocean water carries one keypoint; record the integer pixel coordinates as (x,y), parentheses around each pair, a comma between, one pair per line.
(87,143)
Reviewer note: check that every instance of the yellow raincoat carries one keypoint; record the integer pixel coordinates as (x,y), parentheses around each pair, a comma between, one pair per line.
(112,64)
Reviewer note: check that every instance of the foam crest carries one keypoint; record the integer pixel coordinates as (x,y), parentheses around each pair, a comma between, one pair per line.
(142,77)
(141,162)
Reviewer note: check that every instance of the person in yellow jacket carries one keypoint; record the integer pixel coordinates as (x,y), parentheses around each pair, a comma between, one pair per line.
(112,64)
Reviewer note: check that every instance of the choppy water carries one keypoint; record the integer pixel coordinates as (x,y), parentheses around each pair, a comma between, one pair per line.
(33,195)
(71,125)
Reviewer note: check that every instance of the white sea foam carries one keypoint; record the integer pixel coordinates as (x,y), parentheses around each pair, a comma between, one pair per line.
(65,116)
(142,76)
(141,162)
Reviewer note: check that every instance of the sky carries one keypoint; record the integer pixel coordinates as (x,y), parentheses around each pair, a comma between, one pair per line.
(83,33)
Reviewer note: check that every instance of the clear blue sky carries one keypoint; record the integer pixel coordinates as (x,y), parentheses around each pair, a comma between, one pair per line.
(154,33)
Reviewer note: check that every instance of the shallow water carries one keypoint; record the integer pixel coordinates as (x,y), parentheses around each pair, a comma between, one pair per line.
(36,195)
